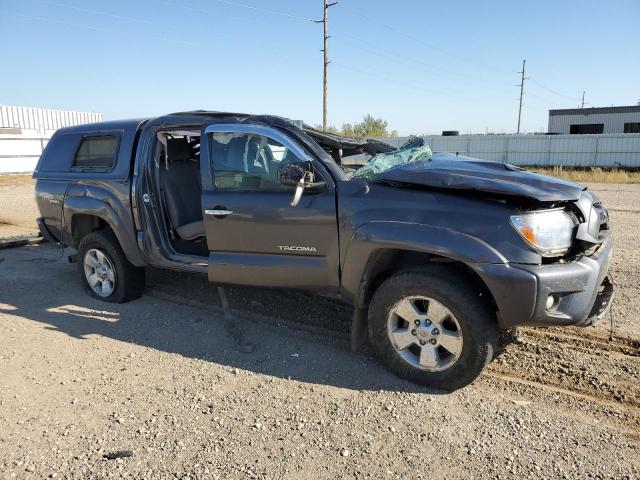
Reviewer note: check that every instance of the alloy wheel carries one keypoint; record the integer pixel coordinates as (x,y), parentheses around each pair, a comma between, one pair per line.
(425,333)
(99,272)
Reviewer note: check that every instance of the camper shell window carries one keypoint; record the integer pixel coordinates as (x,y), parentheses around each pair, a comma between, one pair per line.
(97,153)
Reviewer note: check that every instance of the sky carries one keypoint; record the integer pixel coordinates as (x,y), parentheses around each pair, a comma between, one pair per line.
(424,66)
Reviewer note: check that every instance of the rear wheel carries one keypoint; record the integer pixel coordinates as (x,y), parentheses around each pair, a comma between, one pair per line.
(106,273)
(432,327)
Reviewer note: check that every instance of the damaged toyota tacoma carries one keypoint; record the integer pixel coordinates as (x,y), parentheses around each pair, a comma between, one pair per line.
(439,254)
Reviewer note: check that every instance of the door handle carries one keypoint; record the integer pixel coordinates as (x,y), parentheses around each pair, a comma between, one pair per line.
(218,213)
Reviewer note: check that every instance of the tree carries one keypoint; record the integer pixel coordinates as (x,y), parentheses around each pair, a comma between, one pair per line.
(330,129)
(371,127)
(368,127)
(348,130)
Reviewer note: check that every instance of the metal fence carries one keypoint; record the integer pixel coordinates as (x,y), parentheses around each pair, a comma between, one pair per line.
(44,121)
(20,154)
(608,150)
(25,131)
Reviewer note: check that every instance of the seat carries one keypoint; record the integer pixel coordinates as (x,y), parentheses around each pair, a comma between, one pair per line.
(181,189)
(191,231)
(234,169)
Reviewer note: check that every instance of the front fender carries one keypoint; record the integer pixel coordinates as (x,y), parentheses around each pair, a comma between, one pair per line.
(415,237)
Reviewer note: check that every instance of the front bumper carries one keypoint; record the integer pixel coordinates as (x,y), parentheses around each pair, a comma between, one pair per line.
(582,290)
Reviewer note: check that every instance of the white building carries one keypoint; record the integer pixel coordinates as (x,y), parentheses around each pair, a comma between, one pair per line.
(25,131)
(595,120)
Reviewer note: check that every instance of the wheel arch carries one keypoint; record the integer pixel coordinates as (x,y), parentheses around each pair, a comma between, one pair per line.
(83,224)
(385,262)
(84,215)
(376,247)
(379,249)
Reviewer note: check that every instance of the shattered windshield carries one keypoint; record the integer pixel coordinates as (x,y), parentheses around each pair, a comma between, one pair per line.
(413,151)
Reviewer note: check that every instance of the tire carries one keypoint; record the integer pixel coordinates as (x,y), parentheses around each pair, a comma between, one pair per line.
(466,325)
(505,338)
(126,281)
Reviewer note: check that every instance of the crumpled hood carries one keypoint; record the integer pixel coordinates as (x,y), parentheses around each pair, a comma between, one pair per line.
(448,171)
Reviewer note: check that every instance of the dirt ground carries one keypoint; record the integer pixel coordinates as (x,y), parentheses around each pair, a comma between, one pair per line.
(162,377)
(18,210)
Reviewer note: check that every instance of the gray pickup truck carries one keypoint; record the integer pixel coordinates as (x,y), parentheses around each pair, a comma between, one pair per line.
(438,253)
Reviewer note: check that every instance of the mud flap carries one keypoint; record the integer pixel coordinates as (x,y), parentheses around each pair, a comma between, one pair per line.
(233,330)
(359,328)
(44,231)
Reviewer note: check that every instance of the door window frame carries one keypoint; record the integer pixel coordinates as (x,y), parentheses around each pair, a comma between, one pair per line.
(206,167)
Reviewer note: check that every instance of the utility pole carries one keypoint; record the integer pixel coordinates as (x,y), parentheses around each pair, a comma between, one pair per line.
(325,37)
(521,85)
(582,106)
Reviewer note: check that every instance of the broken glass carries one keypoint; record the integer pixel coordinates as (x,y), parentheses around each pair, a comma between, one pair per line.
(413,151)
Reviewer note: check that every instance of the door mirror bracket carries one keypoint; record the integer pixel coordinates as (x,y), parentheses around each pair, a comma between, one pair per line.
(305,180)
(299,175)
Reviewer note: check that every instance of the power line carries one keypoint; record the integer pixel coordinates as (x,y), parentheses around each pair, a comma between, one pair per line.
(212,13)
(450,92)
(541,85)
(380,50)
(97,29)
(369,73)
(427,68)
(430,69)
(397,31)
(101,13)
(446,52)
(139,20)
(401,31)
(370,19)
(545,101)
(264,10)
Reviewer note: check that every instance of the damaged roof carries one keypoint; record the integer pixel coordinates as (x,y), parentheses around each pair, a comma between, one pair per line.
(348,145)
(335,144)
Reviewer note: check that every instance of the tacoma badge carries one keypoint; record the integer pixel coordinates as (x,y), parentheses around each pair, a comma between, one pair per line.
(295,248)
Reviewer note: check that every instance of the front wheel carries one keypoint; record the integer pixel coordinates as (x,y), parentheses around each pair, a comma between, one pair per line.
(432,327)
(106,272)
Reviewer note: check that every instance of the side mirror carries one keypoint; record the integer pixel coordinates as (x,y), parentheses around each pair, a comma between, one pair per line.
(299,175)
(290,173)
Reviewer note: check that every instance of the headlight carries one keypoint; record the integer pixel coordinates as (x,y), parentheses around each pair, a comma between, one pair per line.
(548,232)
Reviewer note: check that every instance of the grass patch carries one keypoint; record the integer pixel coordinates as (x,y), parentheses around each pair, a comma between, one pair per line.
(591,175)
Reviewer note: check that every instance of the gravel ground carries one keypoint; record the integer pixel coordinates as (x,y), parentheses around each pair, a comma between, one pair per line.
(18,209)
(162,377)
(623,202)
